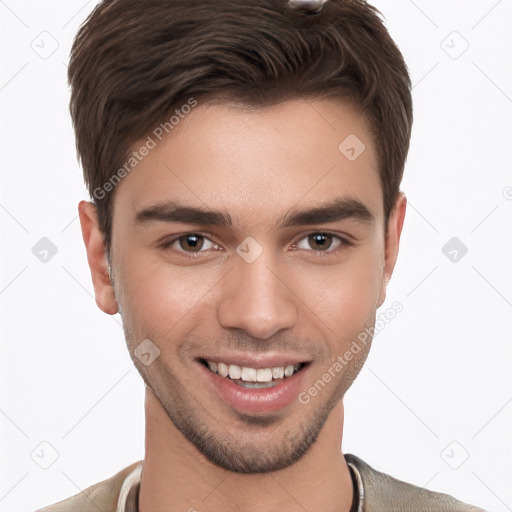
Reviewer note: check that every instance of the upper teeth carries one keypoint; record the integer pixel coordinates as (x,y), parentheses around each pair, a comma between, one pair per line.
(247,374)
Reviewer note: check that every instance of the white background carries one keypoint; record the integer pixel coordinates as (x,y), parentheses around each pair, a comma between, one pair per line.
(436,388)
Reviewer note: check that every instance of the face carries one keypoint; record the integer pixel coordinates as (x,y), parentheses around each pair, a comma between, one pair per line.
(248,243)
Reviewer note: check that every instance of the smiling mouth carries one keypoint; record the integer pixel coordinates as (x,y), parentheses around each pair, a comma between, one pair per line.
(254,378)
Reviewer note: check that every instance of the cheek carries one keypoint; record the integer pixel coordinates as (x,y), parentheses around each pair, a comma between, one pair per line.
(344,296)
(160,298)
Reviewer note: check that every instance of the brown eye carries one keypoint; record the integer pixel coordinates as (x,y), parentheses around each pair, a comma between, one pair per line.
(320,241)
(191,243)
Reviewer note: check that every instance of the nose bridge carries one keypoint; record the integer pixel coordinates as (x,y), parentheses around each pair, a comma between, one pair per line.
(254,299)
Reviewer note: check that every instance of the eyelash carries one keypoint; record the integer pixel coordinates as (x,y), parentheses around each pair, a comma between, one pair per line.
(343,244)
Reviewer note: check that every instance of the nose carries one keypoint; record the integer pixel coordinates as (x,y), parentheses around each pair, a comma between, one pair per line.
(256,299)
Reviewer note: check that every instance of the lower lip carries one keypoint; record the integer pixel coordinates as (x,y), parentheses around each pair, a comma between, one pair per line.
(254,400)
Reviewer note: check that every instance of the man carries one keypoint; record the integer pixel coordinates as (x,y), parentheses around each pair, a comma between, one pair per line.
(244,160)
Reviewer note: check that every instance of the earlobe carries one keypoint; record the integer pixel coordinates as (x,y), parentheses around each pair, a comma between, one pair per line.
(392,243)
(97,258)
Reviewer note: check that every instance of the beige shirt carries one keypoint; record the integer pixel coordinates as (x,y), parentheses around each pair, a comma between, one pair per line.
(376,492)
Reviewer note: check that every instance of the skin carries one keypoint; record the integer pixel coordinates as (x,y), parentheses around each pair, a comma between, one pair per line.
(297,298)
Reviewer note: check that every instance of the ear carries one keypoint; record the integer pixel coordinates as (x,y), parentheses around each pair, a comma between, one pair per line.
(392,242)
(97,258)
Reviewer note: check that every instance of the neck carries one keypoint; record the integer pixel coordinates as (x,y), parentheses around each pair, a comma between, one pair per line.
(177,477)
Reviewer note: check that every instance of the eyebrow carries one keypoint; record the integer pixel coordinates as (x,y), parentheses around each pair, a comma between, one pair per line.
(342,208)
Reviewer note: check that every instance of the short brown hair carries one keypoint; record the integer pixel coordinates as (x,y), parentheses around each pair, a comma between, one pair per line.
(133,62)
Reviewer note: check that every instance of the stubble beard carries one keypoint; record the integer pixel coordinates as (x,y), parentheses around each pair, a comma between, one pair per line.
(262,446)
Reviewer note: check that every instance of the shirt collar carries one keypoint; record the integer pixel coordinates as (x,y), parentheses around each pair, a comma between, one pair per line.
(358,486)
(129,495)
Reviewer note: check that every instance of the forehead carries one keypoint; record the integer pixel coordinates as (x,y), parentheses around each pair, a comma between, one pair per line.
(256,163)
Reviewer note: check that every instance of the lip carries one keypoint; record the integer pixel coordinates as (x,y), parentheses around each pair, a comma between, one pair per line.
(255,360)
(250,400)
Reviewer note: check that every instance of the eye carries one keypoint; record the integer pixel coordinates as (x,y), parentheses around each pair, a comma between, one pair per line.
(190,243)
(322,242)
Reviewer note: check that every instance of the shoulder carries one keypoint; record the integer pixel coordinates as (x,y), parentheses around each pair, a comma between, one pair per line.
(101,496)
(383,492)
